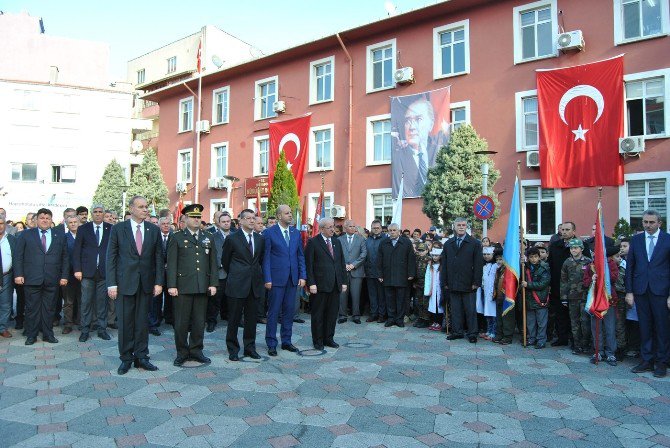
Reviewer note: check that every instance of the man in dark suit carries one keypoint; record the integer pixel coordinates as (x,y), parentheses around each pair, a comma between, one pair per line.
(284,271)
(134,275)
(192,271)
(648,287)
(242,259)
(88,264)
(72,291)
(325,277)
(7,248)
(559,315)
(397,266)
(41,264)
(161,305)
(216,306)
(461,270)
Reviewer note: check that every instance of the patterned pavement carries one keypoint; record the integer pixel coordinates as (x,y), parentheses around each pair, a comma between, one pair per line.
(384,387)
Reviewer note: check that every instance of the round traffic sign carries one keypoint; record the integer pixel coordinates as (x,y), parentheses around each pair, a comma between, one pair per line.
(484,207)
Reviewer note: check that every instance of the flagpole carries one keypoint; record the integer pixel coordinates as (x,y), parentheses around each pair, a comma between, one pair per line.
(597,342)
(523,264)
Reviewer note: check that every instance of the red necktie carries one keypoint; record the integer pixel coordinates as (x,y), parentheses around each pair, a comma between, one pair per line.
(330,247)
(138,239)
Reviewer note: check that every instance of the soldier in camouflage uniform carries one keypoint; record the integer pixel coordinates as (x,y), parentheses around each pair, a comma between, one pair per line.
(574,293)
(422,260)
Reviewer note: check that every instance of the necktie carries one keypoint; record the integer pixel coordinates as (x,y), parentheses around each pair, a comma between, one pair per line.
(138,239)
(458,242)
(650,250)
(165,242)
(423,167)
(44,240)
(251,244)
(97,234)
(287,238)
(330,247)
(350,238)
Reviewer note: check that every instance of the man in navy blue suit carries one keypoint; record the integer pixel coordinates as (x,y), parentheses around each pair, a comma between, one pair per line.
(648,286)
(41,264)
(284,271)
(88,264)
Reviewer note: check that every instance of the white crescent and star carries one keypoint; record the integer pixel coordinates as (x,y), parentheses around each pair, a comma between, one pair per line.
(577,91)
(290,137)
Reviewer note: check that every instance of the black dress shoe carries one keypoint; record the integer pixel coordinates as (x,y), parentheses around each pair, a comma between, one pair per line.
(318,346)
(179,361)
(401,324)
(559,343)
(272,351)
(124,367)
(113,326)
(371,319)
(290,348)
(643,367)
(472,339)
(155,331)
(356,320)
(83,337)
(233,357)
(253,354)
(201,359)
(453,337)
(104,335)
(51,340)
(297,320)
(31,341)
(661,370)
(332,344)
(211,326)
(146,365)
(341,320)
(388,324)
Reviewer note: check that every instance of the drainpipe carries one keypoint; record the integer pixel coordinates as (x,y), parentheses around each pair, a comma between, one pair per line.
(351,122)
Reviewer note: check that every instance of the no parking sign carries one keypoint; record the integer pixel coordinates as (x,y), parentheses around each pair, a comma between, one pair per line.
(484,207)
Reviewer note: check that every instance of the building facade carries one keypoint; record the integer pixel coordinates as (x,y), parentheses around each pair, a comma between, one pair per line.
(487,51)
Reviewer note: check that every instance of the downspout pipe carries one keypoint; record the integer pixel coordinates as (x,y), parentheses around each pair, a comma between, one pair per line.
(351,122)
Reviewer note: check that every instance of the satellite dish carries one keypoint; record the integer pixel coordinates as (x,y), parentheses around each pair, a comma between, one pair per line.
(136,146)
(216,60)
(255,52)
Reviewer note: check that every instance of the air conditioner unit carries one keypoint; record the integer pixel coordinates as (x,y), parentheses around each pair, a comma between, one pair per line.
(202,126)
(404,75)
(533,159)
(338,211)
(279,107)
(181,187)
(218,183)
(572,40)
(631,146)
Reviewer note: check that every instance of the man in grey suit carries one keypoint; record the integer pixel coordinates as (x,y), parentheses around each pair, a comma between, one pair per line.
(355,251)
(216,305)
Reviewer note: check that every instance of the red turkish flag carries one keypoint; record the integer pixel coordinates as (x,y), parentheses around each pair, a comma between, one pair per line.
(292,137)
(581,120)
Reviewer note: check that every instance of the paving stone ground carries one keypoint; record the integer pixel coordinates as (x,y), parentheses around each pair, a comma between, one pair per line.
(384,387)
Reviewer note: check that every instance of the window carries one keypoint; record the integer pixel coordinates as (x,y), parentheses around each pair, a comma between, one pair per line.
(542,212)
(264,205)
(321,148)
(321,88)
(261,155)
(186,115)
(379,206)
(451,49)
(172,64)
(460,114)
(646,96)
(220,104)
(219,159)
(217,205)
(184,165)
(140,76)
(26,172)
(527,128)
(535,31)
(63,173)
(378,147)
(266,95)
(639,19)
(380,66)
(644,191)
(328,201)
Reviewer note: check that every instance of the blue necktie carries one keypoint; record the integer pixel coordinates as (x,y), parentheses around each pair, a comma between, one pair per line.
(650,250)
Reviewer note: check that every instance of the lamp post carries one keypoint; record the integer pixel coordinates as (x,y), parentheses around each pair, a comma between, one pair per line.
(485,185)
(123,198)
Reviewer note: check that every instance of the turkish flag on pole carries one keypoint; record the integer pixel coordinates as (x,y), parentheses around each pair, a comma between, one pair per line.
(200,56)
(581,121)
(292,137)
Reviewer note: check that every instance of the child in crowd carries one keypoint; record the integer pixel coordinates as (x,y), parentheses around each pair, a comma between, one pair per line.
(574,293)
(432,290)
(486,305)
(422,262)
(537,279)
(504,324)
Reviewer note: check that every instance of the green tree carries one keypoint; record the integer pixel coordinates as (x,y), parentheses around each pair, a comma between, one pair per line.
(110,189)
(622,229)
(456,180)
(147,181)
(284,190)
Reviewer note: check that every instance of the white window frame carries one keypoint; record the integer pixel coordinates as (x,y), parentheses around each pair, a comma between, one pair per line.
(141,76)
(212,208)
(226,115)
(516,20)
(37,171)
(369,83)
(619,38)
(256,162)
(641,76)
(369,208)
(214,161)
(459,105)
(182,102)
(174,69)
(312,80)
(624,202)
(257,97)
(179,155)
(312,199)
(437,53)
(558,201)
(520,129)
(370,140)
(312,168)
(61,166)
(251,204)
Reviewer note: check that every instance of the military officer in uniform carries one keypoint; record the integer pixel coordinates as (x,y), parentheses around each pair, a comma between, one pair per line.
(192,273)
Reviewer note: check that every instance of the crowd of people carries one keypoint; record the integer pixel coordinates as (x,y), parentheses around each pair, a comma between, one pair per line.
(99,274)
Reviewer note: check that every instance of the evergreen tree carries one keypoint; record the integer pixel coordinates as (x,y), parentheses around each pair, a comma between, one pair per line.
(110,189)
(284,190)
(456,180)
(622,229)
(148,181)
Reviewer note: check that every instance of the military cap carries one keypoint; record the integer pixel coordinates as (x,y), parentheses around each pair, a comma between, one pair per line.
(576,242)
(193,211)
(422,246)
